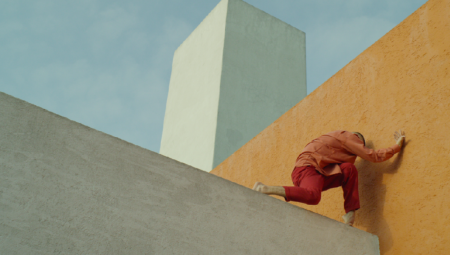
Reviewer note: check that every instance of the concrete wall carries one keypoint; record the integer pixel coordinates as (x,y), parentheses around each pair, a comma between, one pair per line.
(401,81)
(263,76)
(191,111)
(68,189)
(256,61)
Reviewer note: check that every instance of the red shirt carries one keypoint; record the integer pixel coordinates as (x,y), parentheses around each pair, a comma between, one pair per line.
(329,150)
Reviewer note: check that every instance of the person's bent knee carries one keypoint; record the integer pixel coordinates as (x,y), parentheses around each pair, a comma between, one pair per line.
(314,197)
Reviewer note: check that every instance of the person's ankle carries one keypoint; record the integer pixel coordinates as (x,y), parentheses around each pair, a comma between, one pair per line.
(349,218)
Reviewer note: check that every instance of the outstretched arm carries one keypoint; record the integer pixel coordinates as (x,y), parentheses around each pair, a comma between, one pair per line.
(358,148)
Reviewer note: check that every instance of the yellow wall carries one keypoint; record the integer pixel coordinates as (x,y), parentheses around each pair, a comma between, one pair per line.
(402,81)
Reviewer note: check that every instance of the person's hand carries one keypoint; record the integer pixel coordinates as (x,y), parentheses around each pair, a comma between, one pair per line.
(399,137)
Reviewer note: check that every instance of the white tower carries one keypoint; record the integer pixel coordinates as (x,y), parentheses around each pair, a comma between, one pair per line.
(237,72)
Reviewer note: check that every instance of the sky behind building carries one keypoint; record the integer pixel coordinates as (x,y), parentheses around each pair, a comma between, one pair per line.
(107,63)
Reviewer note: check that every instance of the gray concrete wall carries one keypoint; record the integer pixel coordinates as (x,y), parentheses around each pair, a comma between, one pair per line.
(263,75)
(68,189)
(234,75)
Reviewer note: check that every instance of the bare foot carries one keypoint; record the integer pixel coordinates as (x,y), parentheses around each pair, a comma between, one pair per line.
(260,187)
(349,218)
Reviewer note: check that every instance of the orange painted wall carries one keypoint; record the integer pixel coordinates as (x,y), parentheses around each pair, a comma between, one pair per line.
(401,81)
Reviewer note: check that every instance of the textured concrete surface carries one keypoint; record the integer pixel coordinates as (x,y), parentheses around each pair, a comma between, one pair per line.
(190,120)
(68,189)
(401,81)
(234,75)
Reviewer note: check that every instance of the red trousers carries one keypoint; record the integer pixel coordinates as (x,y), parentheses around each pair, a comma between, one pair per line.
(309,185)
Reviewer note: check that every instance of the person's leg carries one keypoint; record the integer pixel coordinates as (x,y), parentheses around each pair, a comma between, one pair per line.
(269,190)
(349,182)
(308,186)
(350,187)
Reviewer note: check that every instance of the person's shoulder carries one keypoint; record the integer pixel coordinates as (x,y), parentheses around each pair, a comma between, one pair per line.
(343,136)
(337,133)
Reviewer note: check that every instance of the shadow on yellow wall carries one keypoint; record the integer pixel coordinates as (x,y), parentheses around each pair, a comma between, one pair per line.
(373,195)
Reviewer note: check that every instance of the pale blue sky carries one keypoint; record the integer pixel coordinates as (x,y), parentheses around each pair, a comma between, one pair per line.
(107,63)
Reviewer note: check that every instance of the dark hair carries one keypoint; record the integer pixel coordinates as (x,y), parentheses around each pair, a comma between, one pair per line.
(364,140)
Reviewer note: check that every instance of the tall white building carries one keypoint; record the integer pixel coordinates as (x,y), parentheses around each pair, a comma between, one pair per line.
(238,71)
